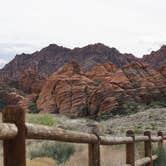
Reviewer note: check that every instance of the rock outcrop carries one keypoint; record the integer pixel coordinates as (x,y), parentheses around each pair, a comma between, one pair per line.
(84,81)
(66,91)
(156,58)
(101,90)
(51,58)
(134,82)
(162,70)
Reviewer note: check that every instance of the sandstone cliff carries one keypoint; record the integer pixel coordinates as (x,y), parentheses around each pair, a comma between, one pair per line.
(156,58)
(102,89)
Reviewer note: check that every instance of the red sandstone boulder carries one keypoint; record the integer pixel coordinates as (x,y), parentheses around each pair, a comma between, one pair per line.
(66,91)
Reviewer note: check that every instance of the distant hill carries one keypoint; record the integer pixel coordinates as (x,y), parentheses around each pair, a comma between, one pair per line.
(49,59)
(156,58)
(86,81)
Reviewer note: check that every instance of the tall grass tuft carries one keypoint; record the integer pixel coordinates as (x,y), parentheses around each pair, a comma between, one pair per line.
(161,160)
(60,152)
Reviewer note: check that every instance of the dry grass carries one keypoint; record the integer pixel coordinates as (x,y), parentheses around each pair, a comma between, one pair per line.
(41,162)
(110,156)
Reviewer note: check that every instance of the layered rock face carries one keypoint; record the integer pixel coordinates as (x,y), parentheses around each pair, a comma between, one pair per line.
(135,82)
(162,70)
(92,55)
(84,81)
(43,62)
(51,58)
(156,58)
(102,89)
(66,91)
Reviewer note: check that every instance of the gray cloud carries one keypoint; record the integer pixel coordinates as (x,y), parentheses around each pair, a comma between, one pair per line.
(2,62)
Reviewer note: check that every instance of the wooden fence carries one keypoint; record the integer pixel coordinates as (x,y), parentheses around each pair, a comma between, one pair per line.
(14,132)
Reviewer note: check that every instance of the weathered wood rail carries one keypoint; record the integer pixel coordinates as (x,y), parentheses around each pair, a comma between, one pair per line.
(14,132)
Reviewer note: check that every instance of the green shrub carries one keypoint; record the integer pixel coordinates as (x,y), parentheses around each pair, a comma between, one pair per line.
(103,117)
(128,108)
(138,129)
(33,108)
(157,104)
(42,119)
(161,160)
(97,81)
(60,152)
(125,109)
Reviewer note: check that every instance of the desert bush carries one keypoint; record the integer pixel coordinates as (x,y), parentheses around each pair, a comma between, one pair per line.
(157,104)
(33,108)
(43,119)
(104,116)
(97,81)
(60,152)
(128,108)
(131,108)
(161,160)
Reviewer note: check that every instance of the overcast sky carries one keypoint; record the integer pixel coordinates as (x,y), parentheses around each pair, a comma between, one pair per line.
(136,26)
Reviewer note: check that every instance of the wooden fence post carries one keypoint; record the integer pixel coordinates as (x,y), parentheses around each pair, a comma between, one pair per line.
(148,148)
(94,149)
(130,149)
(14,149)
(160,143)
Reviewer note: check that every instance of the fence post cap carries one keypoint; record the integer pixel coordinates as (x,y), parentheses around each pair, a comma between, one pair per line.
(129,133)
(94,128)
(147,133)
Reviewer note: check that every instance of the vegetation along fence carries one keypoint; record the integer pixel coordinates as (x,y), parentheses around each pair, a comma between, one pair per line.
(14,132)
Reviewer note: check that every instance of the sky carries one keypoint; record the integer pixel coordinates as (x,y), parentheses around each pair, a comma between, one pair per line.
(132,26)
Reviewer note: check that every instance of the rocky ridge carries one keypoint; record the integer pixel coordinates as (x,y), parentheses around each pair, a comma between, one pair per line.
(86,81)
(156,58)
(72,91)
(51,58)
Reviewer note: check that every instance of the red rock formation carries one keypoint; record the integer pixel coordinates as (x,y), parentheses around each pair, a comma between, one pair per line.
(162,70)
(101,71)
(70,91)
(104,80)
(156,58)
(66,91)
(135,82)
(51,58)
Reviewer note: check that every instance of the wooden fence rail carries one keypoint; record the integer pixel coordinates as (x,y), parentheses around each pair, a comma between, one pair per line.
(14,132)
